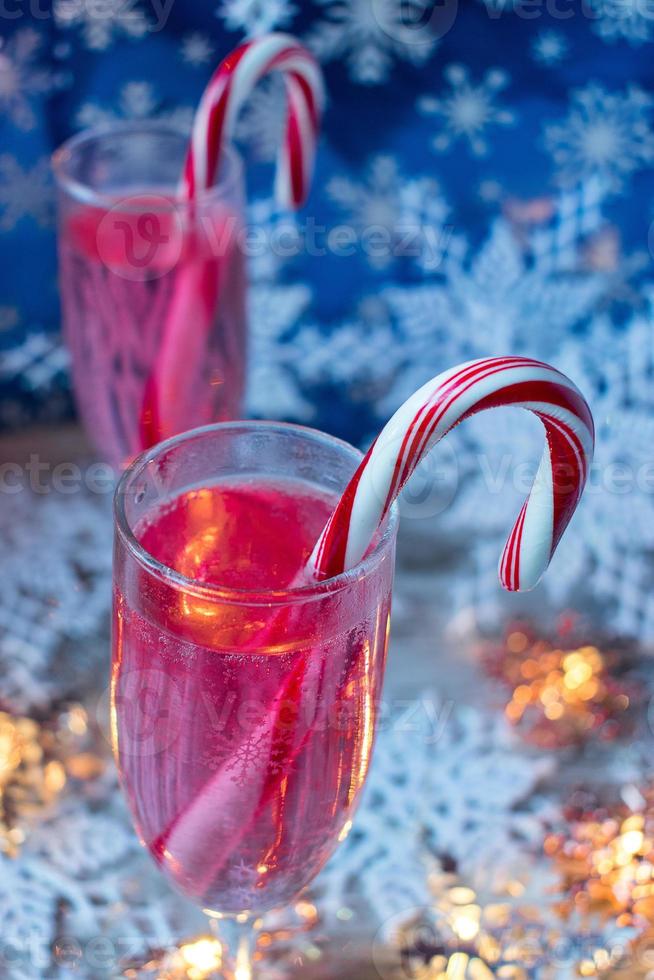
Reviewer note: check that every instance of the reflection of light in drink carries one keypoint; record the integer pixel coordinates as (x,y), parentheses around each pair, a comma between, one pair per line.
(367,732)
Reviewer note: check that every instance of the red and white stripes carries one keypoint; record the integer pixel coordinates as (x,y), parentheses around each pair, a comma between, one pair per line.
(429,415)
(227,91)
(196,293)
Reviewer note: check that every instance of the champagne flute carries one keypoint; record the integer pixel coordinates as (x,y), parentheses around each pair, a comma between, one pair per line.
(245,694)
(136,259)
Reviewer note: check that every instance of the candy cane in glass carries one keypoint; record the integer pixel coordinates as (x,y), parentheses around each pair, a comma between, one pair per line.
(151,265)
(253,575)
(183,344)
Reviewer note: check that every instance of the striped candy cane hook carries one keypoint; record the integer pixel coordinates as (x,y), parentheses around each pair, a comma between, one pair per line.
(429,415)
(413,431)
(195,296)
(229,89)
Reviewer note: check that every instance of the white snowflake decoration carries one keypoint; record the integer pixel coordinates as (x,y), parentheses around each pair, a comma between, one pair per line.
(614,20)
(616,373)
(196,49)
(422,223)
(461,797)
(369,34)
(82,843)
(411,213)
(574,236)
(335,358)
(607,134)
(536,292)
(101,21)
(22,78)
(550,48)
(256,17)
(25,193)
(274,384)
(136,100)
(527,306)
(28,906)
(466,111)
(82,873)
(56,570)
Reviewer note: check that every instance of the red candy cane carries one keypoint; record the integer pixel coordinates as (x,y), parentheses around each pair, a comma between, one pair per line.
(229,89)
(196,294)
(412,432)
(429,415)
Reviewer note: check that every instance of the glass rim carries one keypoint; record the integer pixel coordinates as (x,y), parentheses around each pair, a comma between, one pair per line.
(229,181)
(265,597)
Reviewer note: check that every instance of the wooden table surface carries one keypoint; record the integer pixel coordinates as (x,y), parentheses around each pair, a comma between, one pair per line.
(55,444)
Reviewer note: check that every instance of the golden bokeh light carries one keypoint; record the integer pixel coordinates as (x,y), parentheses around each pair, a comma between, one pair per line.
(559,697)
(605,858)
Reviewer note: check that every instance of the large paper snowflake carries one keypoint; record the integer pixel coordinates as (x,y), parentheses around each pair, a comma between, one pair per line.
(56,572)
(543,297)
(466,796)
(605,133)
(22,77)
(465,111)
(335,358)
(101,22)
(25,193)
(530,310)
(369,34)
(82,874)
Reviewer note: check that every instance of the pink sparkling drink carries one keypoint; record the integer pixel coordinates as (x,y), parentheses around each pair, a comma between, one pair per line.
(152,287)
(244,696)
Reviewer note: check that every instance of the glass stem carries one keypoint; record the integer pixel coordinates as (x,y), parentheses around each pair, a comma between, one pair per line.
(237,937)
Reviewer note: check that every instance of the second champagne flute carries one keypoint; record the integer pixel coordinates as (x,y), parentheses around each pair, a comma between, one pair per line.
(152,285)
